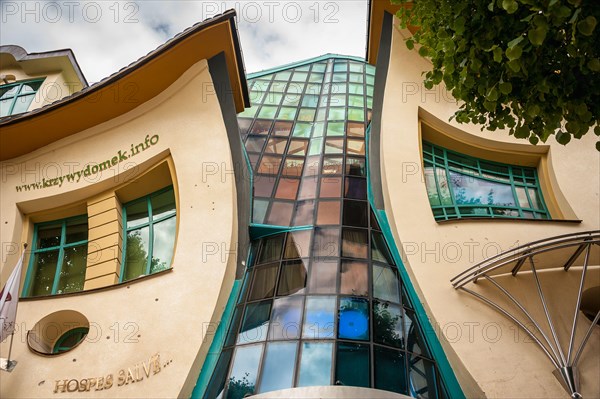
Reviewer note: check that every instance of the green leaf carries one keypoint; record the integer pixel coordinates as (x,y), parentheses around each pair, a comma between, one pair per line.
(514,53)
(410,44)
(522,132)
(505,88)
(423,51)
(536,36)
(498,54)
(597,130)
(492,95)
(594,64)
(563,137)
(516,41)
(510,6)
(598,145)
(533,139)
(586,27)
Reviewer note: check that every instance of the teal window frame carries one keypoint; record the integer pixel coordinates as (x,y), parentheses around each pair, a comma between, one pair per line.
(150,224)
(58,348)
(18,94)
(61,254)
(446,161)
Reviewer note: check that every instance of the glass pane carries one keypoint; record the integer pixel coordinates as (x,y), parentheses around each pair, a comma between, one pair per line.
(326,243)
(282,128)
(535,198)
(244,372)
(522,197)
(286,318)
(353,322)
(336,129)
(422,378)
(414,337)
(44,267)
(163,204)
(271,249)
(387,324)
(72,273)
(276,146)
(352,365)
(5,107)
(356,129)
(319,317)
(298,245)
(217,383)
(298,147)
(333,165)
(315,364)
(163,245)
(356,188)
(48,236)
(269,164)
(331,187)
(267,112)
(280,214)
(308,188)
(8,90)
(323,276)
(136,255)
(137,213)
(356,214)
(312,166)
(304,213)
(30,87)
(265,278)
(22,104)
(287,188)
(287,113)
(292,167)
(77,230)
(432,193)
(302,130)
(469,190)
(385,284)
(259,211)
(329,213)
(354,278)
(355,243)
(292,279)
(356,167)
(445,197)
(379,250)
(263,186)
(256,323)
(233,328)
(255,143)
(390,370)
(278,366)
(316,146)
(261,127)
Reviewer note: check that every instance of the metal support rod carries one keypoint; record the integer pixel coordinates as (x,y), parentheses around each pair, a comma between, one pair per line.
(580,293)
(505,313)
(519,264)
(574,257)
(587,336)
(548,317)
(12,336)
(513,299)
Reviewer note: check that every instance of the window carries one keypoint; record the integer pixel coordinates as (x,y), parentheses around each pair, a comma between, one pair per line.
(460,186)
(70,339)
(15,98)
(149,224)
(58,257)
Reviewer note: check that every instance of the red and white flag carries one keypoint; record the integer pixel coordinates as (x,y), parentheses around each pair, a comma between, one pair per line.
(9,297)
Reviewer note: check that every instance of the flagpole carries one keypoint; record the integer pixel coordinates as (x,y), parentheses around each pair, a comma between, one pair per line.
(12,335)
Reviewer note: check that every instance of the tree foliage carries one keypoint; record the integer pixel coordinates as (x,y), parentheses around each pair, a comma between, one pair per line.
(530,66)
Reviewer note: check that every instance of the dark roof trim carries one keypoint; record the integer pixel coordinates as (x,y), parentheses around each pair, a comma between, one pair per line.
(228,15)
(21,54)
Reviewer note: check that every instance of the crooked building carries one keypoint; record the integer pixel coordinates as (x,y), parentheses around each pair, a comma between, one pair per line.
(317,230)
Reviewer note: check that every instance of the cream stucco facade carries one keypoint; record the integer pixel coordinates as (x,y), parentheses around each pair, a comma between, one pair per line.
(490,355)
(167,314)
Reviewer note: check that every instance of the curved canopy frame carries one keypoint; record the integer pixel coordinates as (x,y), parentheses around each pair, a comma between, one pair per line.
(564,251)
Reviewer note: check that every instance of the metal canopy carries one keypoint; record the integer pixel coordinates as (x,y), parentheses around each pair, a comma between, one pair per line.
(565,252)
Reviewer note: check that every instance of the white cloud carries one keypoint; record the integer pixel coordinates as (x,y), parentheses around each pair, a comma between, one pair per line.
(108,35)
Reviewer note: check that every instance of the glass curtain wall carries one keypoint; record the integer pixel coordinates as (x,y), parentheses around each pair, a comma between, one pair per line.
(323,303)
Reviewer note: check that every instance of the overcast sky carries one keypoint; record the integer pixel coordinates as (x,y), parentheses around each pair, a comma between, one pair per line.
(107,35)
